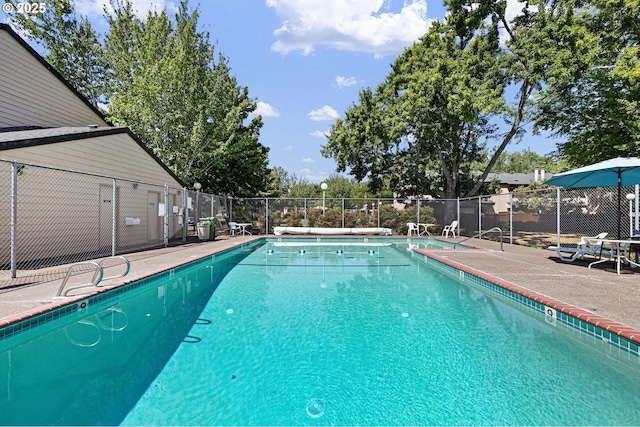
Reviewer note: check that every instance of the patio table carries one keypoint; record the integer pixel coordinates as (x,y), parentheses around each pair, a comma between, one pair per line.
(426,228)
(619,249)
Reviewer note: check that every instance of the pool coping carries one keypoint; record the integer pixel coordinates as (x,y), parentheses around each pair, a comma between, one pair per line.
(604,324)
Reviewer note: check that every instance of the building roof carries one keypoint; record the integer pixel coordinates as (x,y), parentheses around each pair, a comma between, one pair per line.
(30,136)
(515,179)
(12,138)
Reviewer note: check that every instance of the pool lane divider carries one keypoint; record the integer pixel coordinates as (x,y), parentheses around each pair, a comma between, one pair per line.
(608,331)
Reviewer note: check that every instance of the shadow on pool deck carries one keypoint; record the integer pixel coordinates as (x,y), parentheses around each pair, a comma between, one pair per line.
(596,290)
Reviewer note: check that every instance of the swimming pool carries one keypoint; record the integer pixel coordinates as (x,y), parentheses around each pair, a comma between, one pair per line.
(304,333)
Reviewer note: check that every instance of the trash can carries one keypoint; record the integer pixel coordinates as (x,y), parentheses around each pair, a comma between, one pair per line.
(204,230)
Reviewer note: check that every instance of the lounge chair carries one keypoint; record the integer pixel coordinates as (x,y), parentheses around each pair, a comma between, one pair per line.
(588,245)
(451,228)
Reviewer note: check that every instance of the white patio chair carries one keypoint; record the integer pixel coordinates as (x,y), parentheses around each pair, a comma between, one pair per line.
(234,228)
(451,228)
(412,229)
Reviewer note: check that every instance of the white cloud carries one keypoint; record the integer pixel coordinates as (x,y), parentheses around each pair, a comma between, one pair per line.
(289,148)
(305,170)
(343,81)
(324,113)
(360,26)
(308,160)
(514,8)
(320,133)
(265,110)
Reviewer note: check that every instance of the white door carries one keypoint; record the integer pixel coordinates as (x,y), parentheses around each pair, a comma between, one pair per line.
(153,220)
(106,219)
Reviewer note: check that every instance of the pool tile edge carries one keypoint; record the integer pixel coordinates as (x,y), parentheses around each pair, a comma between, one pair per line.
(597,321)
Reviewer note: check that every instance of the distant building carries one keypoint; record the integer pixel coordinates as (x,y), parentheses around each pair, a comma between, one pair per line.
(511,181)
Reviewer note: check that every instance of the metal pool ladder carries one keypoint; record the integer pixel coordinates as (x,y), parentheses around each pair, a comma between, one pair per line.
(98,275)
(482,233)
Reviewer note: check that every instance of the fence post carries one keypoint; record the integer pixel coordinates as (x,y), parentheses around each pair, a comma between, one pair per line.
(114,219)
(185,219)
(231,209)
(637,188)
(343,212)
(480,215)
(14,216)
(458,213)
(378,212)
(266,215)
(510,218)
(166,216)
(558,216)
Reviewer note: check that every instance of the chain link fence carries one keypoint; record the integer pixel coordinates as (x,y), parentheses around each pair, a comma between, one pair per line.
(51,217)
(264,214)
(551,216)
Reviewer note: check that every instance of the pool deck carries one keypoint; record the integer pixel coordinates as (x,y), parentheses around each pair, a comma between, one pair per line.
(593,291)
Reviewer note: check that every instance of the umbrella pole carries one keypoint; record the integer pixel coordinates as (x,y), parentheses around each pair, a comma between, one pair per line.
(619,197)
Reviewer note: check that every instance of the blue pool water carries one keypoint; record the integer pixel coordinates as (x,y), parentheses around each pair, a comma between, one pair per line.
(310,334)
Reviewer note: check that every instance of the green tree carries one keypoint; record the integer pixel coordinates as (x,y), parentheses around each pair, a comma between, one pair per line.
(71,46)
(426,126)
(429,114)
(303,188)
(167,85)
(161,78)
(527,161)
(593,98)
(278,183)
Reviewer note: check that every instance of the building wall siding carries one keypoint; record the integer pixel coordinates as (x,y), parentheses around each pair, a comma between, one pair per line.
(64,217)
(30,95)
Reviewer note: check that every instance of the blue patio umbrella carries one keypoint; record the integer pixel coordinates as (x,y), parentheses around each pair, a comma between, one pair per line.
(618,172)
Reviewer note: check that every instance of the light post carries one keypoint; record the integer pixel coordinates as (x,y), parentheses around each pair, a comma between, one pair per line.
(324,187)
(197,186)
(630,197)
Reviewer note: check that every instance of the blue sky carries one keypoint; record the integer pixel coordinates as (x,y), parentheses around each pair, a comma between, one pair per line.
(304,61)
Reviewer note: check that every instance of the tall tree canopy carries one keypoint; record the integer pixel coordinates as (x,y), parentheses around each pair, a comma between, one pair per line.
(426,125)
(527,161)
(594,100)
(162,79)
(166,85)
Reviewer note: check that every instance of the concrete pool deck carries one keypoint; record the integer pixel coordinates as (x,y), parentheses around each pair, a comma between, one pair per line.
(605,294)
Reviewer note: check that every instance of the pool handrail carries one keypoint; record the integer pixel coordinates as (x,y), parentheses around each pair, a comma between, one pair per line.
(482,233)
(98,275)
(126,261)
